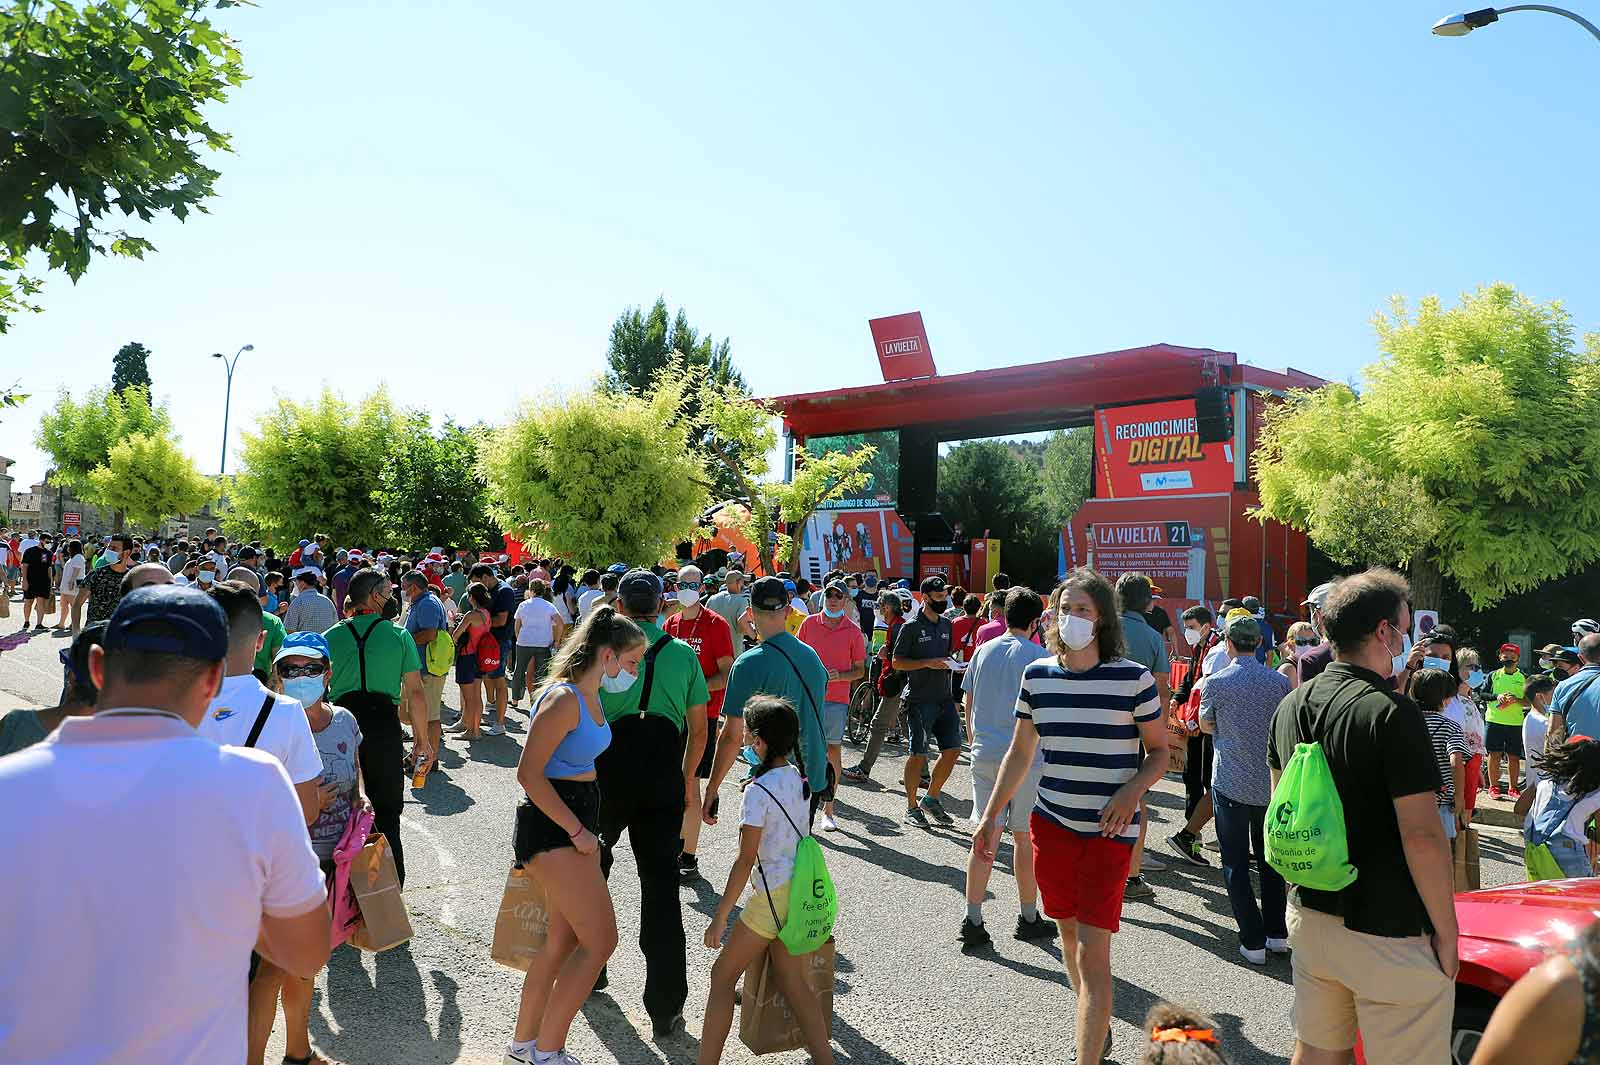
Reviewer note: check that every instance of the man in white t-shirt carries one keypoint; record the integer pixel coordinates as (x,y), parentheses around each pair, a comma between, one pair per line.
(232,715)
(210,854)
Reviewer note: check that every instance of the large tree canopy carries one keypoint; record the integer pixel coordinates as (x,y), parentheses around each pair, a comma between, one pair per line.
(317,467)
(597,478)
(79,436)
(130,366)
(101,118)
(431,494)
(1470,451)
(148,478)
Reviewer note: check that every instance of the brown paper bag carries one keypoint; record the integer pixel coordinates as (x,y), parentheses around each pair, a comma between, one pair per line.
(384,923)
(523,921)
(1467,860)
(1177,747)
(5,604)
(766,1023)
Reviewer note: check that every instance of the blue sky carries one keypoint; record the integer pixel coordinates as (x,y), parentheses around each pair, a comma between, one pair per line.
(456,199)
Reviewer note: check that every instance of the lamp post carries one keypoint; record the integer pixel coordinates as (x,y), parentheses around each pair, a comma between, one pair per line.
(1461,25)
(227,401)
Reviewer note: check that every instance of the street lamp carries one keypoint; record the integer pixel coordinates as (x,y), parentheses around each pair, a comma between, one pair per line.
(1461,25)
(227,400)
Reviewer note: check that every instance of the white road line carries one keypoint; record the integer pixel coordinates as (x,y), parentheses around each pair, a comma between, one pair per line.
(447,861)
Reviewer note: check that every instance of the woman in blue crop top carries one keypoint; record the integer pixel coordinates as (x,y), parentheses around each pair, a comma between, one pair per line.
(555,832)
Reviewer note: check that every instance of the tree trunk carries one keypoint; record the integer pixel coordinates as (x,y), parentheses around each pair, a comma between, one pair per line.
(117,520)
(1427,582)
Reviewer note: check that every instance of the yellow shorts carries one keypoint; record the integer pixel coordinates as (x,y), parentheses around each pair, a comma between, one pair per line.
(757,912)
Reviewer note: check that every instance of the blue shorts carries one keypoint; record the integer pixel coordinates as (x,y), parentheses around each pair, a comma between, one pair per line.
(834,716)
(938,720)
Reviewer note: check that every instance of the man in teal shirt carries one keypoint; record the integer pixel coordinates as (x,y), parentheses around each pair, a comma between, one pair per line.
(658,731)
(778,665)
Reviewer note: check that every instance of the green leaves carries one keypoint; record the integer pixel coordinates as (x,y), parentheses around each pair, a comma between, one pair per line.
(430,492)
(79,436)
(148,477)
(102,114)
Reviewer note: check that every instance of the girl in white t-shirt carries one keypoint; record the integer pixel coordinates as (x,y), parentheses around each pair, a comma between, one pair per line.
(776,804)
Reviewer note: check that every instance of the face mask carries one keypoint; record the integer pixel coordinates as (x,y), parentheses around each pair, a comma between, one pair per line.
(1475,679)
(1397,664)
(1509,665)
(205,576)
(1431,662)
(1076,632)
(1191,637)
(833,613)
(939,604)
(617,684)
(303,690)
(748,755)
(688,597)
(111,557)
(1545,663)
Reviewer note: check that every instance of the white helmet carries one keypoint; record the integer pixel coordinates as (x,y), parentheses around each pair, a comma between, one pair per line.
(1584,627)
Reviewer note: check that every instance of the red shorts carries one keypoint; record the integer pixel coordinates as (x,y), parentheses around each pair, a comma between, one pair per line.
(1080,877)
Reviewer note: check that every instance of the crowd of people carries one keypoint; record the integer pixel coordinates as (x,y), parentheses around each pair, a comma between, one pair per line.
(292,686)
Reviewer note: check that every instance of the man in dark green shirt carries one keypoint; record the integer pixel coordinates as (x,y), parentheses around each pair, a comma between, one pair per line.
(1387,941)
(658,731)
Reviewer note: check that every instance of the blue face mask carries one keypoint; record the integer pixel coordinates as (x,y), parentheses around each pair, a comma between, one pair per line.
(833,613)
(1431,662)
(303,690)
(1475,679)
(748,755)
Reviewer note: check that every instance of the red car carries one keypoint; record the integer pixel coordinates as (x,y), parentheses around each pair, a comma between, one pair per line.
(1504,932)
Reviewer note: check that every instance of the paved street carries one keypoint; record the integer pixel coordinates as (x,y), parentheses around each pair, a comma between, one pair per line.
(905,993)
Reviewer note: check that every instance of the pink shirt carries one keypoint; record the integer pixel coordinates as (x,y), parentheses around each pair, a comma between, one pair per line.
(840,646)
(988,631)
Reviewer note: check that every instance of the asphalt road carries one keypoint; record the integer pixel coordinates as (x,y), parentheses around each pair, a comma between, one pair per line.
(905,992)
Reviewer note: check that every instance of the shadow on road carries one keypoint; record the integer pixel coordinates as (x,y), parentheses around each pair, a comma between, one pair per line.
(387,1011)
(613,1028)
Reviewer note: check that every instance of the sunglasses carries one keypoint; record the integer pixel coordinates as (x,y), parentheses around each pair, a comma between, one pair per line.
(691,585)
(290,672)
(835,595)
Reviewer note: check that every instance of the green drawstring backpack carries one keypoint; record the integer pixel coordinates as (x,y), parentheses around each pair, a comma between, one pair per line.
(813,903)
(1306,841)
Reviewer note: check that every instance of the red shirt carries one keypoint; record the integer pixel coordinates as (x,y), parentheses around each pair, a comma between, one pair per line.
(712,641)
(963,636)
(840,647)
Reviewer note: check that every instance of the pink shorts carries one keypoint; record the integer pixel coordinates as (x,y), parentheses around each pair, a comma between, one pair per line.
(1080,877)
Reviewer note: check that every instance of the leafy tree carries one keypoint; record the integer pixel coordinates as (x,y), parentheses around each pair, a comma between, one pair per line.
(10,397)
(100,117)
(148,477)
(79,436)
(131,367)
(1068,459)
(739,434)
(1469,453)
(317,467)
(598,477)
(990,485)
(431,493)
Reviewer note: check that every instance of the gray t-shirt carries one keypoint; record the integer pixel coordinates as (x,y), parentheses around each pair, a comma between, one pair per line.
(337,744)
(994,678)
(1145,645)
(730,608)
(19,730)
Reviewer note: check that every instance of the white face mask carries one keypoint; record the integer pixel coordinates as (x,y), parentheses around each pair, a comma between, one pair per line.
(621,682)
(1076,632)
(1191,636)
(688,597)
(206,576)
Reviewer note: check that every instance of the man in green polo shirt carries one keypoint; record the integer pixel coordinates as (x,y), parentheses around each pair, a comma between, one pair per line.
(658,731)
(374,660)
(271,628)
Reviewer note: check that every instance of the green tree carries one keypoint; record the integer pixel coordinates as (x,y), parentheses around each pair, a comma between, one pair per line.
(148,478)
(431,493)
(10,397)
(79,436)
(100,118)
(987,485)
(316,467)
(131,367)
(1068,461)
(597,478)
(1470,452)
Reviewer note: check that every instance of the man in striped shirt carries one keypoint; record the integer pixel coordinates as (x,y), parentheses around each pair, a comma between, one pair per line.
(1089,707)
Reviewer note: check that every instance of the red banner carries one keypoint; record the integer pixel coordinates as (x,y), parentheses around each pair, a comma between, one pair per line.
(1154,449)
(902,345)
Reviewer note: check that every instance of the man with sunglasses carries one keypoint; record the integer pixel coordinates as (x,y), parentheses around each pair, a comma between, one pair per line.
(838,641)
(708,633)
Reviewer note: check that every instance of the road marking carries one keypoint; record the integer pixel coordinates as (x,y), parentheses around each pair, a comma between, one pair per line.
(447,861)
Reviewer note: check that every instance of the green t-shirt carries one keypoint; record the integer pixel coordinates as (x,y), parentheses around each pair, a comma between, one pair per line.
(272,644)
(763,671)
(677,683)
(391,654)
(1503,683)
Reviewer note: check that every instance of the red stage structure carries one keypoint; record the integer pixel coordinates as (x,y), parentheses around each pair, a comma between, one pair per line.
(1161,502)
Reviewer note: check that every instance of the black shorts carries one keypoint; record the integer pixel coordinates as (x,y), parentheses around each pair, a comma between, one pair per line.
(703,770)
(1503,739)
(536,833)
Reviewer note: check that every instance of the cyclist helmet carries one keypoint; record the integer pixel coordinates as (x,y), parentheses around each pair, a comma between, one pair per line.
(907,604)
(1584,627)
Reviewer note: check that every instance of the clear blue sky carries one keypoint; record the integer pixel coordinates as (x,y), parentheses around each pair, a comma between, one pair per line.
(457,199)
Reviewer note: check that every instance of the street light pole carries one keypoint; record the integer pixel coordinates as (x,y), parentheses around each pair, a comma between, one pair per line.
(1461,25)
(227,401)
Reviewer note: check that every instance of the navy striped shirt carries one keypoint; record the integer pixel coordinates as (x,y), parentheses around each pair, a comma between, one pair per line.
(1089,731)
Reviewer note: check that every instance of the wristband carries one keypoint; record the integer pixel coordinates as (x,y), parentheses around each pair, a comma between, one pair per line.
(574,835)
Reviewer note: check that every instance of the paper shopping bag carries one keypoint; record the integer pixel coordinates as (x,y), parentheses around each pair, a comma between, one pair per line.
(1467,860)
(1177,746)
(341,893)
(384,923)
(766,1023)
(523,922)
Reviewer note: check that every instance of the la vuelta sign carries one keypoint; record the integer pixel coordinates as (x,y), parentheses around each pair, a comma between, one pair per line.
(1154,449)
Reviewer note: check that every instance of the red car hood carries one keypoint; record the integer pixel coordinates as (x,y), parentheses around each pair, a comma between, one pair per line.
(1506,931)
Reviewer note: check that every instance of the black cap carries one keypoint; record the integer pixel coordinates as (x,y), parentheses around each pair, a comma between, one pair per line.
(933,584)
(201,627)
(768,593)
(639,584)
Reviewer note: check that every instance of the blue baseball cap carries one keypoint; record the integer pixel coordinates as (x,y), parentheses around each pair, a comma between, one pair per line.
(304,644)
(618,568)
(788,586)
(200,628)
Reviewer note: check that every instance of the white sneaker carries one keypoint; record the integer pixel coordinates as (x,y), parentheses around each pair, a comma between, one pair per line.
(514,1057)
(1278,946)
(1152,864)
(494,730)
(828,823)
(457,729)
(1254,957)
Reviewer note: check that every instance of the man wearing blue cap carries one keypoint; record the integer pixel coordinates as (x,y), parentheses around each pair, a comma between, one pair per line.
(209,846)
